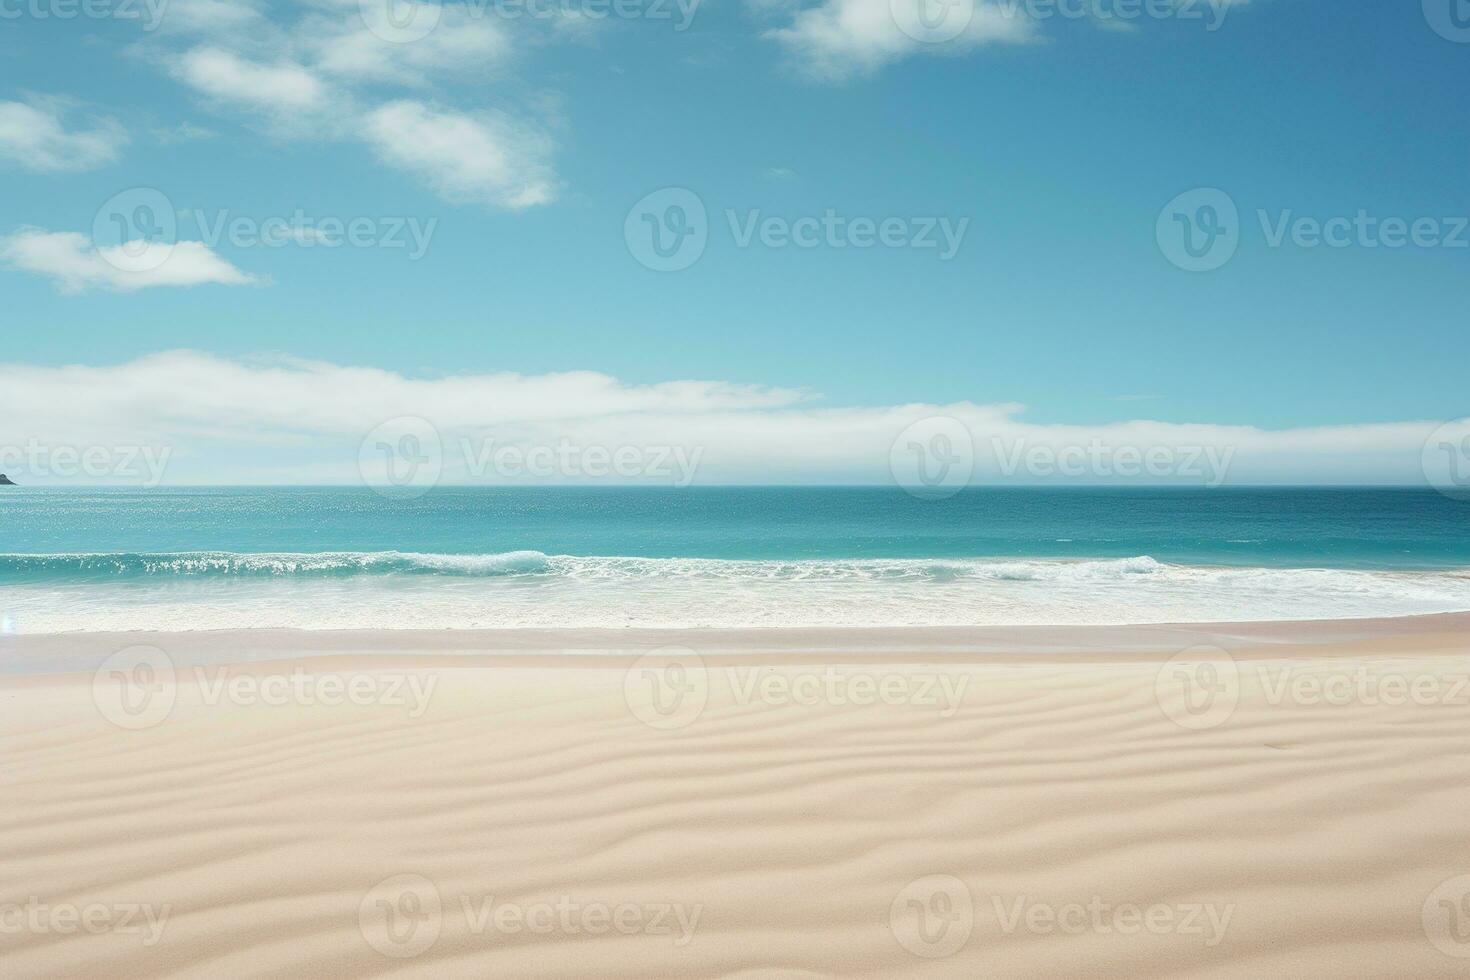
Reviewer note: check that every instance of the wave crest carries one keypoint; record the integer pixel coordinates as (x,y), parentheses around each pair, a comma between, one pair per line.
(267,565)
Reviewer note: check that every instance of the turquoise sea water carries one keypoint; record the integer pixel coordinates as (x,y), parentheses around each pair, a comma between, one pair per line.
(462,557)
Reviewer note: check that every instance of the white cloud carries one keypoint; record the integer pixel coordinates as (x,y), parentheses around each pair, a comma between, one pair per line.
(281,87)
(34,136)
(210,16)
(840,38)
(184,132)
(76,264)
(322,75)
(484,158)
(283,420)
(458,43)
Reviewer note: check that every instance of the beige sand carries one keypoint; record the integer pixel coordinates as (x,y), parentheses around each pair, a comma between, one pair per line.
(818,806)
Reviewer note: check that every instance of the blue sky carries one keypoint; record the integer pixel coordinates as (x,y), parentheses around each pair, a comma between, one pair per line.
(1059,141)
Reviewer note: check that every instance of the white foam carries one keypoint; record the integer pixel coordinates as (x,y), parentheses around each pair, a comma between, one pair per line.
(528,589)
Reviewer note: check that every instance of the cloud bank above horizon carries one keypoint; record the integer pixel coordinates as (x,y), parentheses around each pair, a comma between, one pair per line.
(281,420)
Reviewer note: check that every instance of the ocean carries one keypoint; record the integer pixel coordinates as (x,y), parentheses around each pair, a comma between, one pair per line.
(331,558)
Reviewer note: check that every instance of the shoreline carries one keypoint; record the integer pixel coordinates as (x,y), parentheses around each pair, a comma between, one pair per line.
(1419,635)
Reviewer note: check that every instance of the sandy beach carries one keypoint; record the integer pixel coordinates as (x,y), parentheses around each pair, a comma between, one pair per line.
(1190,801)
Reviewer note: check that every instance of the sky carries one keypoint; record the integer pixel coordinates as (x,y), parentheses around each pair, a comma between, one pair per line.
(1204,222)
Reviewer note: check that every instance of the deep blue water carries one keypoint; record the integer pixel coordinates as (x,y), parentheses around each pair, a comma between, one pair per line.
(1333,528)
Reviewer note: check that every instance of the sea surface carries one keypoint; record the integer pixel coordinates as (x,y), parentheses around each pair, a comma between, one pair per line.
(331,558)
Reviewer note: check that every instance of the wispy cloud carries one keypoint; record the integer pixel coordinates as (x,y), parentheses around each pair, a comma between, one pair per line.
(184,132)
(323,74)
(285,420)
(485,158)
(34,135)
(75,264)
(282,86)
(837,39)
